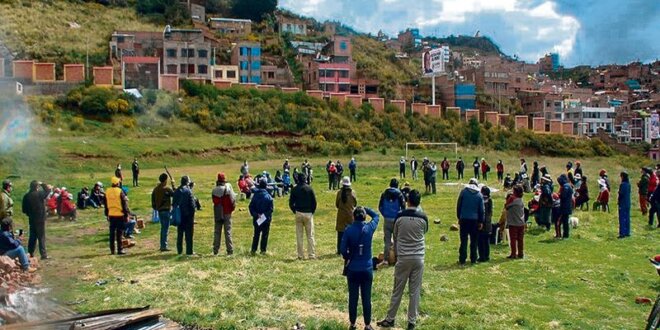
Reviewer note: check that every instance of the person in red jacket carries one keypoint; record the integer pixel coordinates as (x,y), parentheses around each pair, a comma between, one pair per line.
(485,168)
(68,208)
(445,169)
(500,171)
(603,199)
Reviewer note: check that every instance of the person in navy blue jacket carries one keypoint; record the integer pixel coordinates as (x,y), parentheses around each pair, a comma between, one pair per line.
(391,203)
(261,204)
(566,207)
(624,206)
(184,199)
(10,246)
(356,249)
(470,213)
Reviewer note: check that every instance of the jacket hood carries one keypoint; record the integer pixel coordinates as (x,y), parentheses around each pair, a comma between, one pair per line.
(563,179)
(473,188)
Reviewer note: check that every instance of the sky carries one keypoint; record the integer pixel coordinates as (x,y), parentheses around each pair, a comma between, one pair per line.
(589,32)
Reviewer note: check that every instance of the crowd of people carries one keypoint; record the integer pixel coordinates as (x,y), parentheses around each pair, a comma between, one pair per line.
(404,221)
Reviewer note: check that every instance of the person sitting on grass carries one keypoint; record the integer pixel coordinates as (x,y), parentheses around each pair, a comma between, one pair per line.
(10,246)
(68,208)
(98,194)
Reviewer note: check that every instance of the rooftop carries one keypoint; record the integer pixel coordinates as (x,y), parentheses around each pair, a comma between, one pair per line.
(234,20)
(140,60)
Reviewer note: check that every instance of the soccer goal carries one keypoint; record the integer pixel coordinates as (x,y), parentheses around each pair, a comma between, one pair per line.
(450,145)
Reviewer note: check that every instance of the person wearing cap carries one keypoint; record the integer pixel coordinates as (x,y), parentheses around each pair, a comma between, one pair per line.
(345,202)
(352,168)
(582,192)
(302,203)
(566,207)
(624,205)
(224,202)
(135,170)
(161,202)
(410,228)
(35,209)
(500,171)
(603,199)
(117,211)
(402,168)
(603,175)
(545,202)
(11,246)
(6,203)
(391,203)
(643,190)
(470,213)
(483,241)
(460,168)
(515,221)
(184,199)
(355,248)
(261,205)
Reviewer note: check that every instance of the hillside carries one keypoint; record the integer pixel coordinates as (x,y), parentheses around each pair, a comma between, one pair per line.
(43,30)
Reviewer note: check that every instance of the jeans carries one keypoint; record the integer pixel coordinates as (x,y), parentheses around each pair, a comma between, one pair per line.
(359,283)
(116,232)
(516,236)
(305,222)
(129,228)
(414,174)
(433,190)
(19,253)
(402,172)
(468,228)
(388,229)
(222,221)
(185,228)
(407,271)
(260,232)
(353,177)
(483,245)
(459,174)
(624,222)
(37,233)
(164,227)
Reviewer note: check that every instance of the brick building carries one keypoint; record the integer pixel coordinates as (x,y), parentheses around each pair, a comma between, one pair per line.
(225,73)
(231,27)
(247,55)
(291,25)
(140,72)
(272,75)
(135,43)
(186,53)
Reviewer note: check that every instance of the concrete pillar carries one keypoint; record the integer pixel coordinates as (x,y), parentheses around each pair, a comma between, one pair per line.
(222,84)
(43,72)
(419,108)
(103,76)
(401,104)
(555,126)
(377,103)
(265,87)
(567,128)
(433,110)
(354,99)
(169,82)
(315,94)
(469,114)
(491,117)
(23,70)
(290,89)
(538,124)
(339,97)
(522,122)
(74,72)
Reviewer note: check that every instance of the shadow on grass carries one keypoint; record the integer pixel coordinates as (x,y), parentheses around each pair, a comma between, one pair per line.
(550,240)
(456,266)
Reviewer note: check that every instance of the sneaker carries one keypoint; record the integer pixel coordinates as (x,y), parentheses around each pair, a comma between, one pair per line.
(368,327)
(121,253)
(30,270)
(511,257)
(385,323)
(411,326)
(352,327)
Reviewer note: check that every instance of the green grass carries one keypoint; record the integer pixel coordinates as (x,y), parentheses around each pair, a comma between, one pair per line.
(587,282)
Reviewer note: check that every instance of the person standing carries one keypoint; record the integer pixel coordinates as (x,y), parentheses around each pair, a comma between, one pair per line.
(485,168)
(536,174)
(643,190)
(566,207)
(624,206)
(410,227)
(302,203)
(500,171)
(261,209)
(332,176)
(345,203)
(135,169)
(340,171)
(476,166)
(653,184)
(523,167)
(470,214)
(224,203)
(355,248)
(286,166)
(515,220)
(6,202)
(34,207)
(433,176)
(483,242)
(655,206)
(545,201)
(352,168)
(402,168)
(445,169)
(119,175)
(460,167)
(414,165)
(116,211)
(183,199)
(161,202)
(391,203)
(578,168)
(245,168)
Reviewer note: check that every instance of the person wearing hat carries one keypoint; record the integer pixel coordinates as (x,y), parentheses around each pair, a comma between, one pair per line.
(224,202)
(470,213)
(302,203)
(10,245)
(161,202)
(355,248)
(6,203)
(545,202)
(35,209)
(184,199)
(603,175)
(261,209)
(402,168)
(603,199)
(643,190)
(410,228)
(391,203)
(117,211)
(352,168)
(483,241)
(68,210)
(345,203)
(624,205)
(332,176)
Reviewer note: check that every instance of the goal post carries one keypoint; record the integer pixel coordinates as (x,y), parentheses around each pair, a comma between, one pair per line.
(449,144)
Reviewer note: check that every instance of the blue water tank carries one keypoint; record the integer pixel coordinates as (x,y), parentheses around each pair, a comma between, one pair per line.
(466,96)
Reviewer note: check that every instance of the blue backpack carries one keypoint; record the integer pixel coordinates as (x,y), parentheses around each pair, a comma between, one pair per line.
(391,207)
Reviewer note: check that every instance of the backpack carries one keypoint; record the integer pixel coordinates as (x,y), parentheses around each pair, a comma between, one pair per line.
(391,208)
(227,205)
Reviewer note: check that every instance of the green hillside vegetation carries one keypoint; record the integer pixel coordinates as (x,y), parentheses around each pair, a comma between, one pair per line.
(40,29)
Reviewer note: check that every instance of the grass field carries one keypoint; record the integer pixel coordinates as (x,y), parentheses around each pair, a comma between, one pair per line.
(587,282)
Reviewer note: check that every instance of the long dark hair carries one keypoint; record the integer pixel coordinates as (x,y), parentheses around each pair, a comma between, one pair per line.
(345,190)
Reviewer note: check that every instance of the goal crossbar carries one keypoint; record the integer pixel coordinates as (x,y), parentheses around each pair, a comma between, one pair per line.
(454,144)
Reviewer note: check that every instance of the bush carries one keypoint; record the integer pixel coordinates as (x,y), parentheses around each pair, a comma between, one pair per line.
(77,124)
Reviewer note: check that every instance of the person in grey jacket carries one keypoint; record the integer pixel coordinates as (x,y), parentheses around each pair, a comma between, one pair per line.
(410,227)
(515,220)
(470,214)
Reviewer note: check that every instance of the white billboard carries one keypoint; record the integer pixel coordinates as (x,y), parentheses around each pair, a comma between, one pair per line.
(434,60)
(654,127)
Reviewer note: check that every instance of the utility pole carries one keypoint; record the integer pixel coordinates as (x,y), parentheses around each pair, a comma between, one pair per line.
(87,54)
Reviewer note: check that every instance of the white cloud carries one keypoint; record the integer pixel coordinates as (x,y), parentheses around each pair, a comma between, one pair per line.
(518,27)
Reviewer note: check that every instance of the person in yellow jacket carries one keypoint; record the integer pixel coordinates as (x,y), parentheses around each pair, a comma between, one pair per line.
(116,211)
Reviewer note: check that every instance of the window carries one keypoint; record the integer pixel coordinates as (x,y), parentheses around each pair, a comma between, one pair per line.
(256,79)
(344,88)
(231,74)
(218,74)
(271,75)
(343,74)
(244,65)
(191,52)
(171,69)
(342,45)
(191,68)
(120,39)
(256,65)
(243,51)
(203,53)
(184,68)
(321,73)
(202,69)
(171,52)
(184,52)
(256,51)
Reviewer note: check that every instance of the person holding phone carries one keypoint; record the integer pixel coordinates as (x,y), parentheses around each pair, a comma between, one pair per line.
(10,245)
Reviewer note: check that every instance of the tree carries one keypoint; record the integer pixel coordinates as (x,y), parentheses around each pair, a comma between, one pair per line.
(474,131)
(253,9)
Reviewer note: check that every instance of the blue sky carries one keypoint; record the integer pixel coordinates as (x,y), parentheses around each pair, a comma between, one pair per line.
(583,32)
